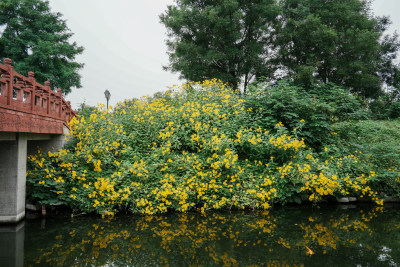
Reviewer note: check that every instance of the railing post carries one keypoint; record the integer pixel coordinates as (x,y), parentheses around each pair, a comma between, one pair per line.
(69,110)
(20,92)
(10,86)
(47,85)
(31,76)
(60,102)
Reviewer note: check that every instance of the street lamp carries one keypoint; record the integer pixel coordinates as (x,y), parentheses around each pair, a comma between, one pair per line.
(107,94)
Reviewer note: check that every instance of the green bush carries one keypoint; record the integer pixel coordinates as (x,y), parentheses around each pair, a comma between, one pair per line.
(386,106)
(394,110)
(377,142)
(319,107)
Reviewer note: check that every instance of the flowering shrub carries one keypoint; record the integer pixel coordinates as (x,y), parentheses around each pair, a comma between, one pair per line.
(195,147)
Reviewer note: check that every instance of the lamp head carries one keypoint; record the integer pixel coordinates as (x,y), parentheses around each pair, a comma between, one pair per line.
(107,94)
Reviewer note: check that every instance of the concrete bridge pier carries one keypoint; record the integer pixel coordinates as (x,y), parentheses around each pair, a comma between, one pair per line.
(12,177)
(14,148)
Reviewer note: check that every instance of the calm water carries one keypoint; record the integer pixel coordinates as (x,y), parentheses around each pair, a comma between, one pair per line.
(289,236)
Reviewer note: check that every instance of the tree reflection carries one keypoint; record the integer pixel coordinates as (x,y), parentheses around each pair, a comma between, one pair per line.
(269,238)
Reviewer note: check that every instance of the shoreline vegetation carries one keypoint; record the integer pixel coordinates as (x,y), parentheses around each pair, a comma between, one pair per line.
(203,146)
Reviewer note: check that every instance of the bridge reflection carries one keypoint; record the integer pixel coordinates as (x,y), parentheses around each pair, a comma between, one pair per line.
(12,238)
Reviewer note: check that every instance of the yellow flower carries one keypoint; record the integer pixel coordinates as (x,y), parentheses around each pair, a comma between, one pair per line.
(97,165)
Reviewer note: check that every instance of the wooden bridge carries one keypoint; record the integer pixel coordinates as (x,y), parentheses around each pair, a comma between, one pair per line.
(31,115)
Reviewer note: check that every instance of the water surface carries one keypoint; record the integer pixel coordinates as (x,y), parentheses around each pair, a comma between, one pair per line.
(289,236)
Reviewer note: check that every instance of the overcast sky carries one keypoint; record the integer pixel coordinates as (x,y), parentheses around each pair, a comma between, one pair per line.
(125,47)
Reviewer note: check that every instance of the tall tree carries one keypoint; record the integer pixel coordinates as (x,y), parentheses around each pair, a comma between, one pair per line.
(222,39)
(37,39)
(336,41)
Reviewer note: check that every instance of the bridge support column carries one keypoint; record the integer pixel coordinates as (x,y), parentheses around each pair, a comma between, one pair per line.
(13,178)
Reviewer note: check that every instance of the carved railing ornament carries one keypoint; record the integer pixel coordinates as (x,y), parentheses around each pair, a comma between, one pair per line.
(28,103)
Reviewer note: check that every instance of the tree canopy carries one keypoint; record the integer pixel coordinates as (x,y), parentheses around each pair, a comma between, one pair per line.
(335,41)
(222,39)
(37,40)
(303,40)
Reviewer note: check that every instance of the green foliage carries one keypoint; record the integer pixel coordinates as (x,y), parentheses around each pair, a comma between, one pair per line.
(335,41)
(318,106)
(222,39)
(377,142)
(377,138)
(386,106)
(38,40)
(85,110)
(394,110)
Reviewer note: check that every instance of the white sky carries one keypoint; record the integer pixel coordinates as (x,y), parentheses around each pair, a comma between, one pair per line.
(125,47)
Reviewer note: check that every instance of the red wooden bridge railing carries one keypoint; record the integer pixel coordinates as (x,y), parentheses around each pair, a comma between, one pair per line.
(27,106)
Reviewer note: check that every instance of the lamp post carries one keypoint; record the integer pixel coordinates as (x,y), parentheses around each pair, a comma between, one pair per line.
(107,94)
